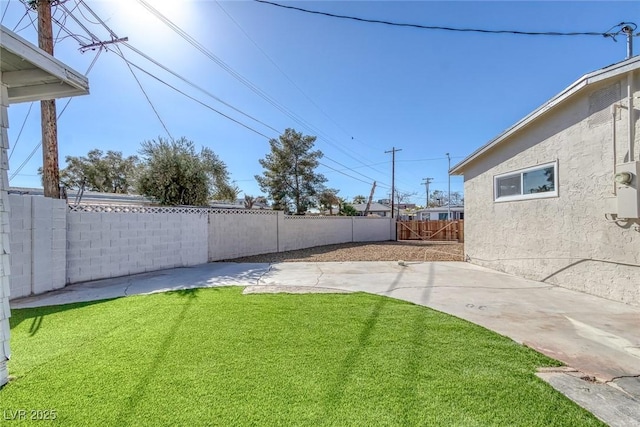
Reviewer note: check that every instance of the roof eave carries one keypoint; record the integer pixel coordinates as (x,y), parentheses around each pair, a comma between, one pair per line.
(42,77)
(588,79)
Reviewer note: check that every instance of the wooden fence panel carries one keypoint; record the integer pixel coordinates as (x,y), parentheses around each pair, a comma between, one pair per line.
(431,230)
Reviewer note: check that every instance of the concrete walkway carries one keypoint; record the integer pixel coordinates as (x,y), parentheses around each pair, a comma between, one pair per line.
(598,339)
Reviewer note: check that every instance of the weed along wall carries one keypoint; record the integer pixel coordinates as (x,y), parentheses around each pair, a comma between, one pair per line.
(53,244)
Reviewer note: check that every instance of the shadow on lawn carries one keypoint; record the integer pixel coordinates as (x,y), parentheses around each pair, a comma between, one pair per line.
(336,392)
(155,365)
(38,314)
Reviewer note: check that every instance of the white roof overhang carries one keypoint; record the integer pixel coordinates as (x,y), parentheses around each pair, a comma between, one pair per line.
(614,70)
(31,74)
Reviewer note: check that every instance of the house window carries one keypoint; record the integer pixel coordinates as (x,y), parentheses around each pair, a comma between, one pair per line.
(531,183)
(442,216)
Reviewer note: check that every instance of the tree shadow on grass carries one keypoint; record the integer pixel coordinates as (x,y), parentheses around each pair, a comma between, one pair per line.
(38,314)
(156,364)
(336,391)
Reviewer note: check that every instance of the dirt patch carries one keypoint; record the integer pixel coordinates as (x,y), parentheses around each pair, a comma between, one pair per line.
(375,251)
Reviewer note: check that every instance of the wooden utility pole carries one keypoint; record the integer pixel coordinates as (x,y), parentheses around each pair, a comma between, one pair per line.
(366,209)
(48,117)
(426,182)
(393,176)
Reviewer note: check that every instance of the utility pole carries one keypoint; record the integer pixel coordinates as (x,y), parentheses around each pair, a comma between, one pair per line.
(449,195)
(393,175)
(629,32)
(50,168)
(426,182)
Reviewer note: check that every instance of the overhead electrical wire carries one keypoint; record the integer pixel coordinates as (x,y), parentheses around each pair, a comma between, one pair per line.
(195,86)
(443,28)
(24,122)
(5,11)
(241,78)
(144,92)
(295,85)
(189,96)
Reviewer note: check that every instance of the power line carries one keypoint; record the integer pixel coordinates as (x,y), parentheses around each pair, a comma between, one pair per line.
(199,46)
(189,96)
(455,29)
(5,10)
(24,122)
(195,86)
(145,94)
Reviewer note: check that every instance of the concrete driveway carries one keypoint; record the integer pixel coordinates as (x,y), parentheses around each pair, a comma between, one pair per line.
(598,339)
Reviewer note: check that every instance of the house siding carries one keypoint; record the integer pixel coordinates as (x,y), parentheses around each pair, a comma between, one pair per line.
(564,240)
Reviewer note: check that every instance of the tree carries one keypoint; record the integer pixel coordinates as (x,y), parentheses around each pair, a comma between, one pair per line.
(327,199)
(108,173)
(249,201)
(359,199)
(346,209)
(441,198)
(174,174)
(289,176)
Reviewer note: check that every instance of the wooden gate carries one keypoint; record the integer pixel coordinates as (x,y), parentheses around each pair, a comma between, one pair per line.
(431,230)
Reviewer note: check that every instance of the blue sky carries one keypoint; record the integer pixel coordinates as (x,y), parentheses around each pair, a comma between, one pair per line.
(362,88)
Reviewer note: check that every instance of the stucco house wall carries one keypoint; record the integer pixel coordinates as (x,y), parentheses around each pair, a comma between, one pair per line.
(564,240)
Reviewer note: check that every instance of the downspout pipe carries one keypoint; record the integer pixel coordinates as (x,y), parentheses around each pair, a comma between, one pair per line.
(631,116)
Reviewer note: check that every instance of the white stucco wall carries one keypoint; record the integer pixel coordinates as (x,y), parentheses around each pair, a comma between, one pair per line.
(565,240)
(5,268)
(103,245)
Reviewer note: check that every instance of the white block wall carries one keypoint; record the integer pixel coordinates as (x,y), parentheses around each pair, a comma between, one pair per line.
(38,244)
(103,245)
(373,229)
(5,312)
(299,232)
(242,233)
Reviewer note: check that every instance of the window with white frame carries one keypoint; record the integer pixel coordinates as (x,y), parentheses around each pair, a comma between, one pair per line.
(530,183)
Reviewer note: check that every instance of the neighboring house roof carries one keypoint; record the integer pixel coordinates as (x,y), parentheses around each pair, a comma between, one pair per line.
(442,209)
(31,74)
(611,71)
(375,207)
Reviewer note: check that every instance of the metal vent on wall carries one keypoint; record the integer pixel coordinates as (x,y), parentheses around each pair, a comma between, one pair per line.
(600,102)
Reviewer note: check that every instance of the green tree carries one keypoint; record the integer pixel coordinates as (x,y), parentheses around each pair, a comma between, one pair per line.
(289,176)
(346,209)
(173,173)
(359,199)
(108,173)
(328,199)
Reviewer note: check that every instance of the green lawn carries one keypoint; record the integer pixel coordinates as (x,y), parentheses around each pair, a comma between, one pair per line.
(216,357)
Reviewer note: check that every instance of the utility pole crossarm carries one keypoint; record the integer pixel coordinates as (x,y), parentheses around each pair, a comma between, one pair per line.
(93,46)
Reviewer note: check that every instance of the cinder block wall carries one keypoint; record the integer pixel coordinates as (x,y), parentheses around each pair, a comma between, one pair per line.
(38,244)
(104,245)
(234,234)
(299,232)
(52,246)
